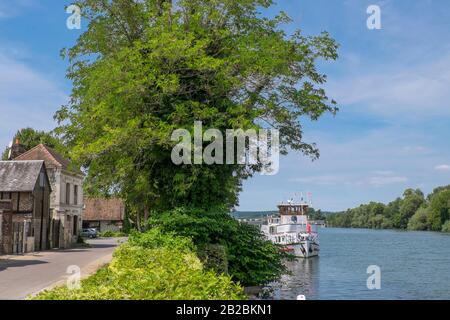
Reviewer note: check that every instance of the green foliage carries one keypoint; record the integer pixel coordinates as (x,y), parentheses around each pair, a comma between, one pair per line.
(112,234)
(412,212)
(315,214)
(439,209)
(380,222)
(127,223)
(155,238)
(252,260)
(392,208)
(436,191)
(419,221)
(30,138)
(145,68)
(149,267)
(412,200)
(81,241)
(446,226)
(214,256)
(371,215)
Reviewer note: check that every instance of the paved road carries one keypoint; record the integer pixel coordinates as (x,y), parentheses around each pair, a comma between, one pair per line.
(21,276)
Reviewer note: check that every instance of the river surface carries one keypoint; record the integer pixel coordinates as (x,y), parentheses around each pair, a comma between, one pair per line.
(413,265)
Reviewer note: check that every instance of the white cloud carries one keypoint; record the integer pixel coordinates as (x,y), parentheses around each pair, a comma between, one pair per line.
(323,180)
(442,167)
(381,178)
(27,98)
(417,90)
(381,181)
(383,172)
(415,150)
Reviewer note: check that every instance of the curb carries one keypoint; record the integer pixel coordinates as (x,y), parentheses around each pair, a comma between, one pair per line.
(86,271)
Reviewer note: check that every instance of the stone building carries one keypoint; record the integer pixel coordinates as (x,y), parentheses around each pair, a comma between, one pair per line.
(103,214)
(5,227)
(24,207)
(66,200)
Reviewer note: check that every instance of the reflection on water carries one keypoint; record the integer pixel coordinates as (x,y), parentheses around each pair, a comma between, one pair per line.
(303,280)
(414,265)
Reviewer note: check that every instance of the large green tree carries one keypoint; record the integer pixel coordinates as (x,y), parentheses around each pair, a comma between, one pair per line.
(439,209)
(436,191)
(144,68)
(412,201)
(29,138)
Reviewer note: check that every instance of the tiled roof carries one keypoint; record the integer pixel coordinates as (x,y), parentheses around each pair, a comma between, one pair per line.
(51,157)
(100,209)
(19,176)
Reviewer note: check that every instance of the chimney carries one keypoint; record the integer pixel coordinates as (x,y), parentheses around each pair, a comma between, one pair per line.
(16,150)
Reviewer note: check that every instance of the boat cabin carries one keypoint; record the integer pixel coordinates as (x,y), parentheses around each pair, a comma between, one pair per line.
(293,217)
(292,213)
(293,209)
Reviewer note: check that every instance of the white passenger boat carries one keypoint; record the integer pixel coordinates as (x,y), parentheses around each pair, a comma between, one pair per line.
(292,230)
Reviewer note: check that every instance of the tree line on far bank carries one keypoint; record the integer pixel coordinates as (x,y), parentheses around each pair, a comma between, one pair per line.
(412,211)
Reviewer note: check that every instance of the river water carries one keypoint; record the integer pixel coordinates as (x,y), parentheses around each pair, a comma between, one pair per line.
(413,265)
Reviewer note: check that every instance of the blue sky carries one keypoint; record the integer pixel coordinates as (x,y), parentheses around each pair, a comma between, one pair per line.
(392,86)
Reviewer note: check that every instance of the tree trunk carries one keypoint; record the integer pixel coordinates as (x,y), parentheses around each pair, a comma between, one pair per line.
(146,214)
(138,220)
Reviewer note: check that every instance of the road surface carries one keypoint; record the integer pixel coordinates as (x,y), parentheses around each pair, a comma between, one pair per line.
(21,276)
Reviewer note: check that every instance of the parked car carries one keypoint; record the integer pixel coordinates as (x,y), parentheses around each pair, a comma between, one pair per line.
(89,233)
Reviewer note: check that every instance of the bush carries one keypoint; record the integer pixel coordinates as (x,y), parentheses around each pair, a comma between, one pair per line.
(154,239)
(446,226)
(252,260)
(111,234)
(215,257)
(80,240)
(150,267)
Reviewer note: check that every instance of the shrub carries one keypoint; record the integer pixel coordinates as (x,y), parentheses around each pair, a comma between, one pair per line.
(252,260)
(155,238)
(446,226)
(214,256)
(150,268)
(112,234)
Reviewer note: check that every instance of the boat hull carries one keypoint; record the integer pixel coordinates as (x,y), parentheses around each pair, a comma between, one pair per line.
(304,249)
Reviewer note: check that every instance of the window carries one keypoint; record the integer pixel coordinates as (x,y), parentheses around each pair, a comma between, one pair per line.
(75,195)
(5,196)
(41,180)
(75,225)
(18,201)
(67,193)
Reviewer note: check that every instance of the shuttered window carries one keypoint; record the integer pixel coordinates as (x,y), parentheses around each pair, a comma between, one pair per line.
(75,195)
(67,193)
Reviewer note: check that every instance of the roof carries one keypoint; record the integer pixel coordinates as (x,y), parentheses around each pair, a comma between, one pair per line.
(19,176)
(52,158)
(101,209)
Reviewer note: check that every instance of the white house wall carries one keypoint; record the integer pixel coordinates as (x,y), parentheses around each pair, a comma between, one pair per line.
(63,210)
